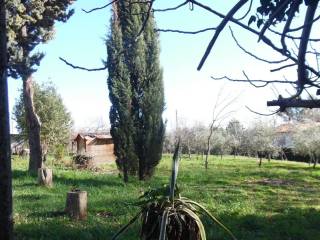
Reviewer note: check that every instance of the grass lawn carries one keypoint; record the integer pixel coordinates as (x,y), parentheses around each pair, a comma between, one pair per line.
(280,200)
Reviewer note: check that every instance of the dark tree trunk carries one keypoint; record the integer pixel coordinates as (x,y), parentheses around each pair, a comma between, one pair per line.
(33,126)
(260,155)
(315,161)
(6,219)
(125,171)
(207,156)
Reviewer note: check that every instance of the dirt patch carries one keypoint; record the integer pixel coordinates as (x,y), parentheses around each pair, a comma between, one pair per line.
(272,182)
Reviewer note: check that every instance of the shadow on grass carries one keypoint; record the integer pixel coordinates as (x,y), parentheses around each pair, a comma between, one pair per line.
(17,174)
(293,224)
(96,181)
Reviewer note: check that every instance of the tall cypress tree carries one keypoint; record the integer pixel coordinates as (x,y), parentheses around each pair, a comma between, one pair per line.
(120,97)
(135,75)
(150,103)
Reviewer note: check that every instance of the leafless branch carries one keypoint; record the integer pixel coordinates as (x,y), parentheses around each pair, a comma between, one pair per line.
(305,35)
(304,25)
(82,68)
(293,37)
(266,40)
(246,14)
(220,27)
(283,67)
(172,8)
(253,81)
(99,8)
(145,20)
(253,55)
(184,32)
(263,114)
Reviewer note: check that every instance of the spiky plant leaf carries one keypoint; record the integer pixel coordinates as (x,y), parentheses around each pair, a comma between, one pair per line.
(197,220)
(163,227)
(175,168)
(125,227)
(214,219)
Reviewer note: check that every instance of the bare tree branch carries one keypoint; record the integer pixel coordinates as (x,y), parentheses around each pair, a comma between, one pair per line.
(172,8)
(246,14)
(305,35)
(253,81)
(293,37)
(82,68)
(220,27)
(304,25)
(283,67)
(266,40)
(253,55)
(99,8)
(264,114)
(184,32)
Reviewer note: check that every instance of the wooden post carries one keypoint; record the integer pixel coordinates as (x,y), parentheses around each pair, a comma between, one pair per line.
(45,176)
(76,204)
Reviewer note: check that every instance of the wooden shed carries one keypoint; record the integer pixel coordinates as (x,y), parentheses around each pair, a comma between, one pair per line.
(99,147)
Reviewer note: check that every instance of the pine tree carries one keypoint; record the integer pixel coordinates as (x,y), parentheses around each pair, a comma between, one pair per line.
(56,121)
(31,23)
(135,78)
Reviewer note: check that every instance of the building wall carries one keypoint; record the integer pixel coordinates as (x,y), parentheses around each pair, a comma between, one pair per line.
(101,151)
(81,146)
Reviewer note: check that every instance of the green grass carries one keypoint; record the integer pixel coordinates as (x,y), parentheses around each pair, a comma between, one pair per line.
(236,191)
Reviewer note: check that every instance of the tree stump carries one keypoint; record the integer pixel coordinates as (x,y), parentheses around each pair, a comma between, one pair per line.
(45,176)
(76,204)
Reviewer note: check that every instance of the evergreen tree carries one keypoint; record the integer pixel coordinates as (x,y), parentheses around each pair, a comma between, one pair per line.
(135,88)
(120,97)
(56,121)
(31,23)
(150,104)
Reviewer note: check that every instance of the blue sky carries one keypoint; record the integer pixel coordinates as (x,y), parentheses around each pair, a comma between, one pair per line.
(190,92)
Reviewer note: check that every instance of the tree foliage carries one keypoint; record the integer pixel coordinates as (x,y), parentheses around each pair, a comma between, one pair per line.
(56,122)
(135,89)
(31,23)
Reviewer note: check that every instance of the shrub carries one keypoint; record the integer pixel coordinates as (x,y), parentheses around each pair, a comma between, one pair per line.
(82,161)
(165,214)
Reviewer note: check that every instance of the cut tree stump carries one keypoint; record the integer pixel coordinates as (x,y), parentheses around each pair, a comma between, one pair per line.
(76,204)
(45,176)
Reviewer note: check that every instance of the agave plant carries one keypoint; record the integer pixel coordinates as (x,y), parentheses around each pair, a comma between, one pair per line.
(165,215)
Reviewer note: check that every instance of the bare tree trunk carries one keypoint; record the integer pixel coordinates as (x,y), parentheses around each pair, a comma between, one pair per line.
(209,143)
(260,158)
(315,161)
(6,219)
(33,125)
(260,161)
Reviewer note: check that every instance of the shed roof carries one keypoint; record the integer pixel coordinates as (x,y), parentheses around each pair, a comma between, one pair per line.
(90,137)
